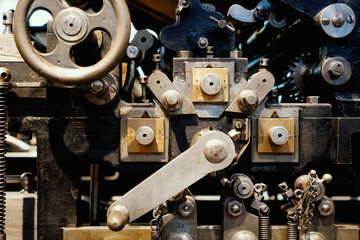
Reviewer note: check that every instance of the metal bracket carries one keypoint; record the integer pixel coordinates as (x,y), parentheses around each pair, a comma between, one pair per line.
(162,88)
(259,85)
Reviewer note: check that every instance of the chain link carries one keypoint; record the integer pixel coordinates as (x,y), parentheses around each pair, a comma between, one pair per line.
(158,220)
(306,204)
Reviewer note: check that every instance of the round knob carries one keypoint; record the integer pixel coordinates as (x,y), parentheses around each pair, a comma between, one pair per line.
(27,181)
(117,218)
(215,151)
(211,84)
(278,135)
(145,135)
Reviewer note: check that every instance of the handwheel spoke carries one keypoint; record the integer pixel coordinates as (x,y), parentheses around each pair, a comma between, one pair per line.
(104,20)
(53,6)
(61,55)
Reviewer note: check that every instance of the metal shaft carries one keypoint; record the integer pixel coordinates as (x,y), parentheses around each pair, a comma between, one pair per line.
(94,194)
(264,225)
(292,231)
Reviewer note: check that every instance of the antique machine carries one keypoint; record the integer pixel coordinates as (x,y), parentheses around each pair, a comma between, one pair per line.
(181,120)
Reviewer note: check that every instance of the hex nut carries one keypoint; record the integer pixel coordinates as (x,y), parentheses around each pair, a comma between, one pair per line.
(234,135)
(234,208)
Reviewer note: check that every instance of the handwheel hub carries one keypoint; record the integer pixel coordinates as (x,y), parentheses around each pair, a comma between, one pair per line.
(71,24)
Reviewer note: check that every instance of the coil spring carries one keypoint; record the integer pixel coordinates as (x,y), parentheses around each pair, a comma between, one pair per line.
(3,129)
(292,231)
(264,224)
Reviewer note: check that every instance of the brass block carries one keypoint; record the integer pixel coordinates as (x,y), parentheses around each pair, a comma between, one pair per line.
(265,144)
(156,124)
(197,95)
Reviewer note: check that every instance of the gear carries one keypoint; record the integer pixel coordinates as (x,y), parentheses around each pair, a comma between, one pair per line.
(292,88)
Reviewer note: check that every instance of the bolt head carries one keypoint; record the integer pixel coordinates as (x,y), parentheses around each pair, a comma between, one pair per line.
(250,99)
(97,86)
(132,52)
(234,135)
(325,208)
(215,151)
(172,99)
(186,208)
(234,208)
(336,68)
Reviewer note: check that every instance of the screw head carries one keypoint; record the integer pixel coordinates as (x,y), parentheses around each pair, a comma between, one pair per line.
(350,19)
(325,21)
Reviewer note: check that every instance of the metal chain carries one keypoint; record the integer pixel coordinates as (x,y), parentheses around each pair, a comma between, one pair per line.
(306,204)
(157,229)
(312,191)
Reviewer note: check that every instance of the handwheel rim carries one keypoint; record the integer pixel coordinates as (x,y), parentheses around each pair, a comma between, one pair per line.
(72,76)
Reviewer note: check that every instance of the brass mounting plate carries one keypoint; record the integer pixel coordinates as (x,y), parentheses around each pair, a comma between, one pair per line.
(264,143)
(156,124)
(198,96)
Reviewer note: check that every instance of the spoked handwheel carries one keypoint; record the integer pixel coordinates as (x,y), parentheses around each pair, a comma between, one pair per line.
(71,26)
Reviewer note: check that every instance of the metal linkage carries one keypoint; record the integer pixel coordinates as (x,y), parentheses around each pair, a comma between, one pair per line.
(212,152)
(4,86)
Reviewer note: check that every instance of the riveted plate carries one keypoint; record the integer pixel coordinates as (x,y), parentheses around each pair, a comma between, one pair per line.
(156,124)
(199,96)
(264,143)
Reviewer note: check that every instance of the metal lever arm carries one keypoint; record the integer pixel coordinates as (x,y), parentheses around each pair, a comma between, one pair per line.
(213,151)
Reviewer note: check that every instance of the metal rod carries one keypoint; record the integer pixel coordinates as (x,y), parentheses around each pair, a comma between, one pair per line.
(94,194)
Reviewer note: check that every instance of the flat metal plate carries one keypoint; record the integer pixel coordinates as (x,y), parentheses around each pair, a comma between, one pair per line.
(212,232)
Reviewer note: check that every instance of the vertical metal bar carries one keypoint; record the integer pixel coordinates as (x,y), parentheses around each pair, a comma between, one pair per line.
(94,194)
